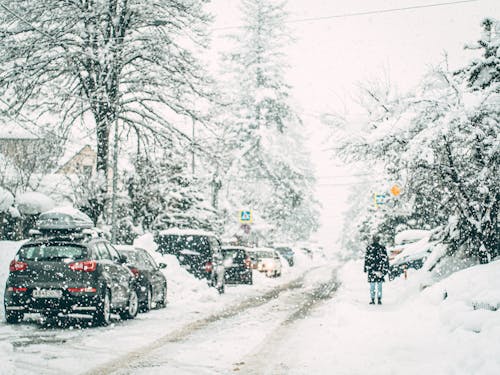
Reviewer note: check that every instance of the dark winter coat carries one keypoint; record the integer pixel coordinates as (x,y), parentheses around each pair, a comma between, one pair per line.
(376,260)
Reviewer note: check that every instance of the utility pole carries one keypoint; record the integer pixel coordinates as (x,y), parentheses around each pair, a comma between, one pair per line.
(115,183)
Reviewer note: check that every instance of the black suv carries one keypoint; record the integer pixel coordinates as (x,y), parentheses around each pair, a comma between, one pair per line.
(197,251)
(238,265)
(69,273)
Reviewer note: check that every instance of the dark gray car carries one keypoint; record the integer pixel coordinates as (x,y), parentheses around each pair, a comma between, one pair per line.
(151,282)
(66,274)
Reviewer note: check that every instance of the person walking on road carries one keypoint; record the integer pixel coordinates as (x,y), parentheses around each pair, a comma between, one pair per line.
(377,266)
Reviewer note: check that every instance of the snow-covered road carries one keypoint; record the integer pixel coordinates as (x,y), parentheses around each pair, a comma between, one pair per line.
(202,333)
(237,339)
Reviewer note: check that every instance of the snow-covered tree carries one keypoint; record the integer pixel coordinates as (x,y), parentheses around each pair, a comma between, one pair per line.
(103,61)
(268,167)
(163,194)
(443,141)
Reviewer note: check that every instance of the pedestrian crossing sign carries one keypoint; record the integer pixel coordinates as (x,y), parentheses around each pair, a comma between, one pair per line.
(380,199)
(246,216)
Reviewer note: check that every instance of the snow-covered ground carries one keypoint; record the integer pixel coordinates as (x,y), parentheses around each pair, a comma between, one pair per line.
(33,347)
(413,332)
(296,324)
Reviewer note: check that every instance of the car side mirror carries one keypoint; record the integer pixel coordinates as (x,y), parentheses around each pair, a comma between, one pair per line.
(162,266)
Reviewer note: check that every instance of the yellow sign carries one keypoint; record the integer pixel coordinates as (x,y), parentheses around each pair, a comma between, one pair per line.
(395,190)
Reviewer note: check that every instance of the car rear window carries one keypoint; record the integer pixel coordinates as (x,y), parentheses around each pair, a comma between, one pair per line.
(235,254)
(185,244)
(52,252)
(286,250)
(135,258)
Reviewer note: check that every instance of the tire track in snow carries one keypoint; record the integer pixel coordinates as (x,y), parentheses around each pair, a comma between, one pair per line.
(262,360)
(127,360)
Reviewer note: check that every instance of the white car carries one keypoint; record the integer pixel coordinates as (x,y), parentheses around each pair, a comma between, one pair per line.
(268,261)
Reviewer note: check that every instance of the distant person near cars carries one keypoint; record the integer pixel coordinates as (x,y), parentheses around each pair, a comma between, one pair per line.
(377,266)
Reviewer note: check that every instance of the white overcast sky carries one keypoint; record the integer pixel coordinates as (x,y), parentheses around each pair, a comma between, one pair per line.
(331,55)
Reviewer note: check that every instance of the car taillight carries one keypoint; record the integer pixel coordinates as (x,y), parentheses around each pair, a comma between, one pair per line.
(208,267)
(87,289)
(248,262)
(17,266)
(85,266)
(135,271)
(16,289)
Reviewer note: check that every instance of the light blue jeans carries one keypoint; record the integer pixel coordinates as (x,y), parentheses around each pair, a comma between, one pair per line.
(372,290)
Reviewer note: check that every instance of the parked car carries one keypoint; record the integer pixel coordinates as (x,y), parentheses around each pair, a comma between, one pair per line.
(404,238)
(151,282)
(254,259)
(198,251)
(413,247)
(69,272)
(268,261)
(238,265)
(287,253)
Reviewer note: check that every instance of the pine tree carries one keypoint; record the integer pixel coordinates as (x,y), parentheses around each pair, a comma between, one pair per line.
(270,167)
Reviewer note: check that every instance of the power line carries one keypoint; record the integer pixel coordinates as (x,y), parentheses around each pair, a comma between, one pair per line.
(361,13)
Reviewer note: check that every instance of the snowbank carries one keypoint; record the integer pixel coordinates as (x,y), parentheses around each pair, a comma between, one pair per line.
(450,327)
(182,285)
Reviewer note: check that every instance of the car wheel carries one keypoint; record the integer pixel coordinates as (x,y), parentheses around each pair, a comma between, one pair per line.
(130,312)
(13,317)
(162,302)
(102,316)
(146,305)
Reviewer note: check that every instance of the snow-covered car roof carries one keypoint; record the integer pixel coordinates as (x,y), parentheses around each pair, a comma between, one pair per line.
(411,235)
(413,251)
(185,232)
(261,250)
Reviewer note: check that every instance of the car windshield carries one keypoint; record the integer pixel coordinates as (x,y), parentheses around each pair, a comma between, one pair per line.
(265,254)
(54,252)
(184,244)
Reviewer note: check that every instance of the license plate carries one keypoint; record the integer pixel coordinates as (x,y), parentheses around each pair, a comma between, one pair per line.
(47,293)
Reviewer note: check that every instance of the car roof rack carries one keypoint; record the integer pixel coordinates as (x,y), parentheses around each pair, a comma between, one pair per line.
(64,224)
(83,235)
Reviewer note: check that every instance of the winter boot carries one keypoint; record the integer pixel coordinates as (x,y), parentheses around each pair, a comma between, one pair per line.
(379,301)
(372,302)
